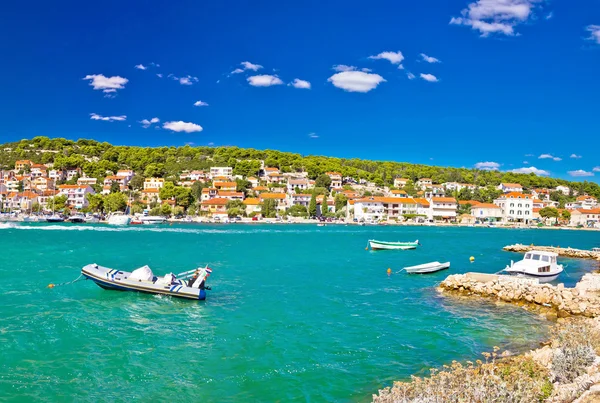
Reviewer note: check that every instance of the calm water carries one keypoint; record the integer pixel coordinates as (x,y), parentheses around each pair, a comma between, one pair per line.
(296,313)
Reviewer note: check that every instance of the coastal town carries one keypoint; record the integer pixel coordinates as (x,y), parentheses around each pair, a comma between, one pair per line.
(218,195)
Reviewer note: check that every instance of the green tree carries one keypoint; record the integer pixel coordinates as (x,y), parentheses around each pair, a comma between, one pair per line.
(137,208)
(178,211)
(549,212)
(197,190)
(297,210)
(234,204)
(235,212)
(242,185)
(155,170)
(566,215)
(58,203)
(166,210)
(136,183)
(115,202)
(155,211)
(167,191)
(20,186)
(341,200)
(312,206)
(323,181)
(95,202)
(269,208)
(115,187)
(183,196)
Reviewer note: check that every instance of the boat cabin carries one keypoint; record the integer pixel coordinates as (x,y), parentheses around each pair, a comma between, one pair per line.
(540,258)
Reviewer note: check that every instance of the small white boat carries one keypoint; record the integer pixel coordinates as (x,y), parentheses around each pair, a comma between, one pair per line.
(190,284)
(427,267)
(381,245)
(152,219)
(118,218)
(92,219)
(536,264)
(30,218)
(55,218)
(77,218)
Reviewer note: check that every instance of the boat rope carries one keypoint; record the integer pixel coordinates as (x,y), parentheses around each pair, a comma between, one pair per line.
(69,282)
(401,270)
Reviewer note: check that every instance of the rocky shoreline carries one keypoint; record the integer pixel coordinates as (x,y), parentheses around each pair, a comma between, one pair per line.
(567,252)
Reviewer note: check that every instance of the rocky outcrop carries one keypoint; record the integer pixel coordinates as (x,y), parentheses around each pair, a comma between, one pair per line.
(567,252)
(582,300)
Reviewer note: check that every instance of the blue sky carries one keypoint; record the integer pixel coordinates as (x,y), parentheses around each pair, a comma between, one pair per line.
(459,83)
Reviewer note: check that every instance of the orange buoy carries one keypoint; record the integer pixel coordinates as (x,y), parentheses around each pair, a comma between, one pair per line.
(389,271)
(367,248)
(50,285)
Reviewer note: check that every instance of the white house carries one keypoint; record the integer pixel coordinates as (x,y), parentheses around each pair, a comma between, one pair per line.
(486,212)
(444,207)
(457,187)
(400,182)
(510,187)
(56,174)
(226,172)
(72,173)
(563,189)
(154,183)
(302,199)
(516,207)
(253,181)
(336,179)
(76,194)
(369,209)
(585,218)
(87,181)
(424,183)
(125,173)
(301,184)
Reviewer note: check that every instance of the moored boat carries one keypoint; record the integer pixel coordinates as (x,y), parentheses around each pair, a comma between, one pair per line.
(152,219)
(118,218)
(536,264)
(55,218)
(381,245)
(190,284)
(431,267)
(77,218)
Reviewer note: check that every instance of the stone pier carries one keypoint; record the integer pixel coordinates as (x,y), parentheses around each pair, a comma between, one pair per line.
(567,252)
(582,300)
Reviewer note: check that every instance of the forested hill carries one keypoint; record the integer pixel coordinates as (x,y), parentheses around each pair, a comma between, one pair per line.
(97,158)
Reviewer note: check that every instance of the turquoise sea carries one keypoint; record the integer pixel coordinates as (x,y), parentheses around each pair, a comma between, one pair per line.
(296,312)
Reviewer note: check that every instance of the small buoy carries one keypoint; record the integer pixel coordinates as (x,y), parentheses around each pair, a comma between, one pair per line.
(389,271)
(50,285)
(472,258)
(367,248)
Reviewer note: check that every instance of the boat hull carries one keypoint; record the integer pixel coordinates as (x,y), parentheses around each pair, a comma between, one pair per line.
(377,245)
(118,220)
(427,268)
(110,279)
(542,278)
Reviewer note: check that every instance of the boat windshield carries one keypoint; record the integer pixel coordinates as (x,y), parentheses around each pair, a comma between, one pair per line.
(545,258)
(535,257)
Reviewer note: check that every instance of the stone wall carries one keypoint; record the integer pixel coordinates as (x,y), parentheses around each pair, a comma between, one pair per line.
(567,252)
(583,299)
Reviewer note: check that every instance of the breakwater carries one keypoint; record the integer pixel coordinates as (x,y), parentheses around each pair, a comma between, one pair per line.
(566,252)
(581,300)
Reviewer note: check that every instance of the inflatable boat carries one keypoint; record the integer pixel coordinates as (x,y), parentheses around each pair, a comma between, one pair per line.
(190,284)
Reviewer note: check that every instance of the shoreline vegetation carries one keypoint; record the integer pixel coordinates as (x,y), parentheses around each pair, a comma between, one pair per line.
(566,368)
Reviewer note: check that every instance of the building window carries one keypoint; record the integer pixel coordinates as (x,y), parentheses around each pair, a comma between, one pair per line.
(519,212)
(512,204)
(512,211)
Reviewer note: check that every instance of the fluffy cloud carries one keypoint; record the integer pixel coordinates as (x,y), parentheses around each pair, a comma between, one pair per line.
(140,67)
(200,103)
(313,135)
(392,57)
(95,116)
(594,31)
(580,173)
(550,157)
(297,83)
(343,67)
(429,59)
(187,80)
(356,81)
(487,166)
(429,77)
(596,169)
(247,66)
(180,126)
(496,16)
(525,170)
(264,80)
(106,84)
(575,156)
(410,76)
(147,123)
(159,75)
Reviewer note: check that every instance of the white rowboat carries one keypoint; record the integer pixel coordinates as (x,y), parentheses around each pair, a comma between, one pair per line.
(381,245)
(427,267)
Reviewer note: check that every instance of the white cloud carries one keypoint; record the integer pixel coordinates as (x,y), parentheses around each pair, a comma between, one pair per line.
(154,64)
(147,123)
(95,116)
(140,67)
(343,67)
(575,156)
(200,103)
(549,156)
(356,81)
(187,80)
(429,77)
(297,83)
(106,84)
(487,166)
(594,31)
(159,75)
(264,80)
(496,16)
(549,15)
(392,57)
(366,70)
(596,169)
(313,135)
(430,59)
(247,66)
(410,76)
(580,173)
(180,126)
(525,170)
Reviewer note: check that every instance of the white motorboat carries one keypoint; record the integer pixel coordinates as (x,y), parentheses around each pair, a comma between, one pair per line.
(77,218)
(30,218)
(152,219)
(536,264)
(381,245)
(55,218)
(92,219)
(118,218)
(190,284)
(431,267)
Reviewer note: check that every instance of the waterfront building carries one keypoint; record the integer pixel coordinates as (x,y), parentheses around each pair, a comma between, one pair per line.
(154,183)
(252,205)
(302,199)
(214,207)
(443,208)
(516,206)
(300,184)
(209,193)
(486,212)
(150,196)
(76,194)
(588,218)
(280,198)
